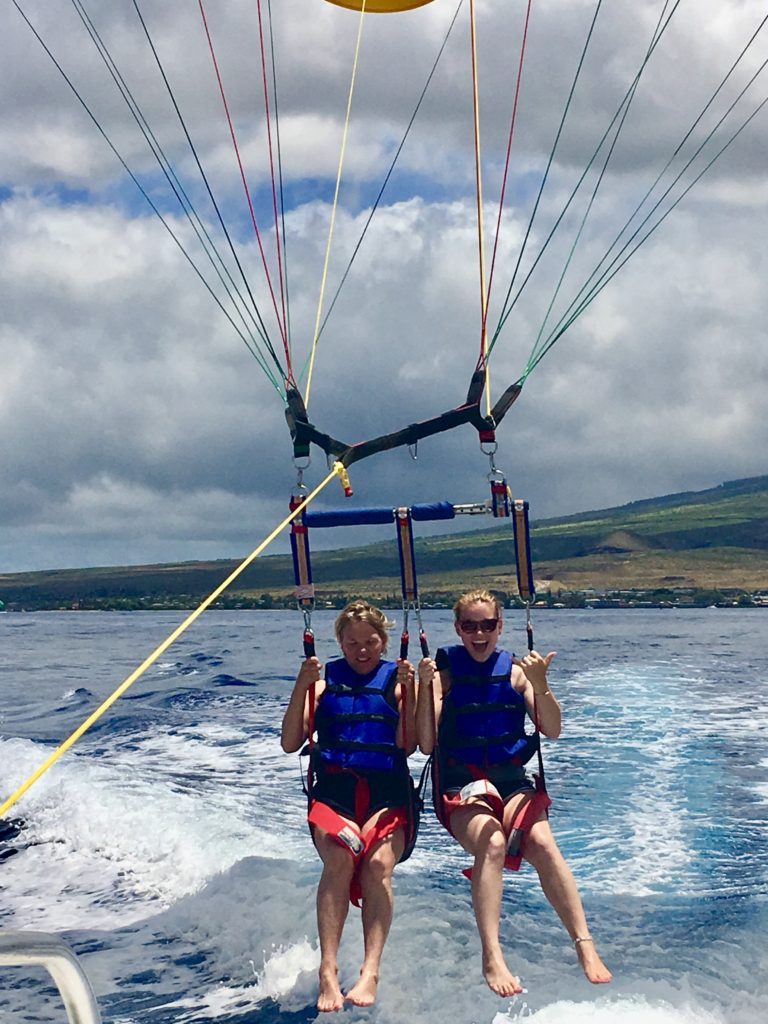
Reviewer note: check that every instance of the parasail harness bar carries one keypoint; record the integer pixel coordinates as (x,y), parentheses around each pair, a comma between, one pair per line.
(500,506)
(305,433)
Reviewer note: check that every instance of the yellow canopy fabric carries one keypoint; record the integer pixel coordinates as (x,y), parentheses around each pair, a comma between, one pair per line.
(380,6)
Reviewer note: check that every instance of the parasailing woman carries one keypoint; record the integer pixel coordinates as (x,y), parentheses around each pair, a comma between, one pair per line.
(473,701)
(361,802)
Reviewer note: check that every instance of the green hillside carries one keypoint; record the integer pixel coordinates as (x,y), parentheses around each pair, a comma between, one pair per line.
(707,540)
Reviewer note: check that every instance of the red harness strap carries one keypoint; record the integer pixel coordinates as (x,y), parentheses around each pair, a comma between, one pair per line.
(350,836)
(528,814)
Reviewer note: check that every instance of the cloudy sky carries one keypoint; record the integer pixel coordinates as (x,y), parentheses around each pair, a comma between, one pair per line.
(136,425)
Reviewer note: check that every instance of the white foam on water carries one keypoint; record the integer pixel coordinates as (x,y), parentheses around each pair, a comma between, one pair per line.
(288,976)
(156,838)
(105,845)
(630,747)
(612,1010)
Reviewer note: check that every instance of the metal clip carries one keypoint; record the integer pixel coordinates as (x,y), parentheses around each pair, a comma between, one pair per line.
(492,462)
(301,465)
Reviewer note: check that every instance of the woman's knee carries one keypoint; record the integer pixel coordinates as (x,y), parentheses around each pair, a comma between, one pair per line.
(492,846)
(335,857)
(540,847)
(379,865)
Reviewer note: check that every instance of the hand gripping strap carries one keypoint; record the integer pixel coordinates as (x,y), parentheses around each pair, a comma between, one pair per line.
(349,836)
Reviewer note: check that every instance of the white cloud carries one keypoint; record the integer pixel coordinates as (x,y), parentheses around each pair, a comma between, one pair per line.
(136,425)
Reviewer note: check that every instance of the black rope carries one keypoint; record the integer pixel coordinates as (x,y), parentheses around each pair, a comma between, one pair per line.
(204,177)
(165,165)
(133,177)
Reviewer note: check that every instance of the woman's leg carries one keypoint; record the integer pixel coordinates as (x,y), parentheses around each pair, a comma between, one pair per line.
(481,834)
(332,907)
(378,905)
(559,886)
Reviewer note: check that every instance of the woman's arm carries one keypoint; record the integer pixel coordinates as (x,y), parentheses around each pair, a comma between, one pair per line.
(406,688)
(296,718)
(529,676)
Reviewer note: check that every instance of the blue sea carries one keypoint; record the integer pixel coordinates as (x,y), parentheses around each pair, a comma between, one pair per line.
(169,845)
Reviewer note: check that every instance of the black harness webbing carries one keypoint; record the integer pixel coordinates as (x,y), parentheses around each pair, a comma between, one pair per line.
(302,572)
(305,433)
(408,581)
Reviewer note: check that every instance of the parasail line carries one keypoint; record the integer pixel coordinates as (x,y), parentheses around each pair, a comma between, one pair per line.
(502,195)
(509,306)
(482,361)
(246,189)
(345,133)
(280,176)
(143,192)
(274,184)
(388,175)
(618,263)
(152,658)
(203,175)
(207,244)
(627,103)
(550,161)
(594,276)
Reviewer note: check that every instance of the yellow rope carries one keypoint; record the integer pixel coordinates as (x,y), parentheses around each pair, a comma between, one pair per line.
(335,205)
(163,647)
(480,231)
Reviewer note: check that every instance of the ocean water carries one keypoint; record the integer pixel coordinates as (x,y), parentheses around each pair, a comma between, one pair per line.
(169,846)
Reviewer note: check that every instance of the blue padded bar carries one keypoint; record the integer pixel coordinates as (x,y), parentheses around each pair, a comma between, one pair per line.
(378,516)
(433,510)
(350,517)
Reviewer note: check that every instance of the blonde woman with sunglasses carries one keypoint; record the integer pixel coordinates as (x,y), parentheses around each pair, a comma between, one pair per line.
(473,702)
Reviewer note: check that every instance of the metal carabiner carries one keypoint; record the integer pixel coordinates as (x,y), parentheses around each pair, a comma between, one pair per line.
(300,470)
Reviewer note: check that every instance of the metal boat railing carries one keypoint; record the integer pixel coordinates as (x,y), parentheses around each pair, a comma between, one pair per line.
(41,949)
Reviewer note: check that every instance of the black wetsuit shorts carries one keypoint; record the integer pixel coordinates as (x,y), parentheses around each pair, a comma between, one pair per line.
(509,779)
(358,796)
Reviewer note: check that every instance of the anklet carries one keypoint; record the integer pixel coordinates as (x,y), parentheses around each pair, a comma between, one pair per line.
(585,938)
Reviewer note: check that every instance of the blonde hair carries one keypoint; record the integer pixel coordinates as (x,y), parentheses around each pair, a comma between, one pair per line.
(476,597)
(361,611)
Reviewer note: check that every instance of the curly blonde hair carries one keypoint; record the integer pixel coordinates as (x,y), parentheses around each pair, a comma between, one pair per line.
(476,597)
(361,611)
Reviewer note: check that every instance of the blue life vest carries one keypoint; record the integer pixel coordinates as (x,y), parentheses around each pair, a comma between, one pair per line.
(483,717)
(357,718)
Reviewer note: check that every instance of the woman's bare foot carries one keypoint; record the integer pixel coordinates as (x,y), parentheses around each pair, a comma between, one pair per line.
(499,978)
(593,967)
(363,992)
(330,997)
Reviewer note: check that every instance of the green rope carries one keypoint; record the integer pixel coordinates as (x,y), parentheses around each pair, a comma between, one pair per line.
(595,283)
(618,263)
(204,178)
(504,314)
(133,177)
(626,103)
(616,117)
(206,242)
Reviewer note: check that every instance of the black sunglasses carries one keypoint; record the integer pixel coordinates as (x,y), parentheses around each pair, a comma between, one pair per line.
(484,625)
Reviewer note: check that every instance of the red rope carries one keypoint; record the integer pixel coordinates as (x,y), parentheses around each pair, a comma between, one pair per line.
(280,322)
(274,183)
(513,121)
